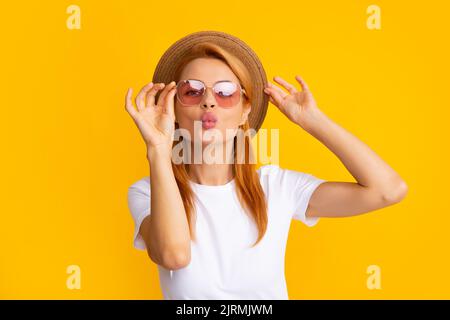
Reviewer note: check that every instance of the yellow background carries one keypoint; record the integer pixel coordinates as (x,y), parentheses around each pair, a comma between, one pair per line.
(70,150)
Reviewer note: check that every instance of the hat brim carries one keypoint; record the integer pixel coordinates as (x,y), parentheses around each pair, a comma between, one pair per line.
(165,69)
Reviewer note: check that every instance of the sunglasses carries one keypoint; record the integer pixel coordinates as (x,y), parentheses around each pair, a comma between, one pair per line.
(227,93)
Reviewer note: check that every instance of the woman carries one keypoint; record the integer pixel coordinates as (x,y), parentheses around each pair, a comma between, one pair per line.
(219,230)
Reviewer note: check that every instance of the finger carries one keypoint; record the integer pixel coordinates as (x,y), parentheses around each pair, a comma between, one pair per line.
(272,101)
(170,102)
(162,97)
(280,91)
(302,83)
(289,87)
(150,97)
(277,99)
(140,102)
(129,104)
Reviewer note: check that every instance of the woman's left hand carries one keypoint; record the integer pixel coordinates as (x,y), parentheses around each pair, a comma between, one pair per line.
(299,106)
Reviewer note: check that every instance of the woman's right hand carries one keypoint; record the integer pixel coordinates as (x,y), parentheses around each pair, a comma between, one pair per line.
(156,122)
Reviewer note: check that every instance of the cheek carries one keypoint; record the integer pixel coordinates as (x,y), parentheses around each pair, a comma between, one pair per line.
(182,116)
(185,116)
(229,124)
(231,117)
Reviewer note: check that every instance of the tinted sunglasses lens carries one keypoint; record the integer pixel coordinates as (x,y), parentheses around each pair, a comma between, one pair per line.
(190,92)
(227,94)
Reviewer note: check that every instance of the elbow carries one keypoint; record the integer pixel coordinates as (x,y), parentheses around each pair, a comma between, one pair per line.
(396,194)
(175,259)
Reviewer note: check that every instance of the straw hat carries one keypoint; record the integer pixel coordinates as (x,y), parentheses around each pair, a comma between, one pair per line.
(164,71)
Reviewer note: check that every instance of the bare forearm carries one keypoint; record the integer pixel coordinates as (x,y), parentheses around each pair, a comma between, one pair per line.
(362,162)
(169,229)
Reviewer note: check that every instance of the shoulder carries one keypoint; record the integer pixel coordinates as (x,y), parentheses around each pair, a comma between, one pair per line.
(274,176)
(139,196)
(275,171)
(142,185)
(268,170)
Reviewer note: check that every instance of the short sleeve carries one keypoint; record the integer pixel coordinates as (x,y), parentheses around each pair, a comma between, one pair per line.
(139,206)
(299,188)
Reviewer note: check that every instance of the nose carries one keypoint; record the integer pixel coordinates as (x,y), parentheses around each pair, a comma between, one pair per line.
(208,99)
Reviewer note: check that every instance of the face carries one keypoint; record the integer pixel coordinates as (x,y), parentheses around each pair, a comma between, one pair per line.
(210,70)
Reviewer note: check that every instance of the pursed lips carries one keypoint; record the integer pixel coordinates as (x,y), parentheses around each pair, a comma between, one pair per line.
(208,120)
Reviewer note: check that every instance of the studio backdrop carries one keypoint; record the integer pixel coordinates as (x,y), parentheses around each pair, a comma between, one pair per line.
(70,151)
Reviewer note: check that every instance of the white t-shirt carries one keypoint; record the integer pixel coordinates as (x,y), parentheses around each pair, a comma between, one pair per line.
(223,266)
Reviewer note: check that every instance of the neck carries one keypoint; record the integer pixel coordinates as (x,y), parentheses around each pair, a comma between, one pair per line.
(217,172)
(210,174)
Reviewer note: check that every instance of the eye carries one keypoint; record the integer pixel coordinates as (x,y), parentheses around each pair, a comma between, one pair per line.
(225,89)
(193,92)
(225,94)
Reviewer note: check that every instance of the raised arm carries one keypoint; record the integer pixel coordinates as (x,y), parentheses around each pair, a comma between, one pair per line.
(377,186)
(165,231)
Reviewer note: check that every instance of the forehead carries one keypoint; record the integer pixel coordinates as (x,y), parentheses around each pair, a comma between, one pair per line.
(209,70)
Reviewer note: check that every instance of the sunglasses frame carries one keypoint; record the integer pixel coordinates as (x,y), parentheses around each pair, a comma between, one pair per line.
(242,91)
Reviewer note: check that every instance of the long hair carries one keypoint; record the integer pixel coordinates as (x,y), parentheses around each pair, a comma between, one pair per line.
(248,187)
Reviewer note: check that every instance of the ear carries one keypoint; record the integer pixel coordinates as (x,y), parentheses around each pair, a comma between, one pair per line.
(247,109)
